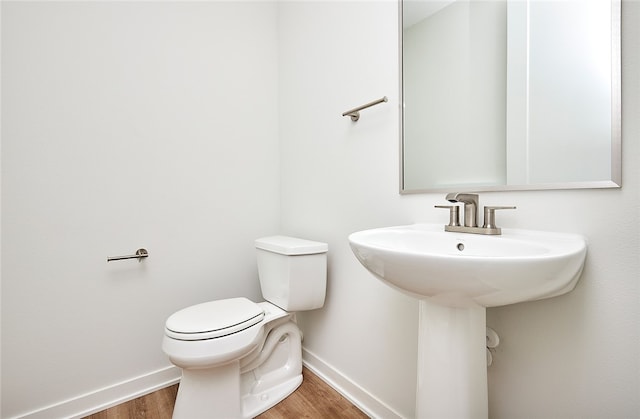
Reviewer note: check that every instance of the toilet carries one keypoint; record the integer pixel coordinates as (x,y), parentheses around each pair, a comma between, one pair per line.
(240,358)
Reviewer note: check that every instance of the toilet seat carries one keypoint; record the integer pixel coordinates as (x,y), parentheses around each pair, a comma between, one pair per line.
(214,319)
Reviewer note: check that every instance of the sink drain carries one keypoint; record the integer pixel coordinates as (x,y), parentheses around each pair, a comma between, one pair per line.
(460,246)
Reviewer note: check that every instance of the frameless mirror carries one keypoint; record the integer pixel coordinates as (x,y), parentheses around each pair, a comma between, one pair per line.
(510,95)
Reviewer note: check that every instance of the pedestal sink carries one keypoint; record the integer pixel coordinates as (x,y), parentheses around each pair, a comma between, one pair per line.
(456,276)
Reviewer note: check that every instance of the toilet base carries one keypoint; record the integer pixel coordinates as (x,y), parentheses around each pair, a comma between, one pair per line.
(200,396)
(247,387)
(210,392)
(254,404)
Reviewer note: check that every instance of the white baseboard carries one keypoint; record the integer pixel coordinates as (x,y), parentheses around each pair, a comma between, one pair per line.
(365,401)
(95,401)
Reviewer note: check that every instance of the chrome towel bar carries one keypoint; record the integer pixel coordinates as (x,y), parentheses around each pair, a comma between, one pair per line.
(140,254)
(355,112)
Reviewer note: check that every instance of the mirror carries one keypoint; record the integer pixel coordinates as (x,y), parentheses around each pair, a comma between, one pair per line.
(510,95)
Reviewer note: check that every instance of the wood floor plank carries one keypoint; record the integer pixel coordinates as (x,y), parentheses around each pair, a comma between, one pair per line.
(314,399)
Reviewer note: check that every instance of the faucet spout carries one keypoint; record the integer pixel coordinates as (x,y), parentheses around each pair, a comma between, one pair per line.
(470,202)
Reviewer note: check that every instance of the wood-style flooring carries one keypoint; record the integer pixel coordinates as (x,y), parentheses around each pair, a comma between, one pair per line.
(313,399)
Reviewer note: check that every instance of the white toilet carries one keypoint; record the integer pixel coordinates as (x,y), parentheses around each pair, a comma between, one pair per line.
(239,358)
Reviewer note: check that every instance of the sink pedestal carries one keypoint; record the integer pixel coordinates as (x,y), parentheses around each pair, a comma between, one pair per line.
(452,362)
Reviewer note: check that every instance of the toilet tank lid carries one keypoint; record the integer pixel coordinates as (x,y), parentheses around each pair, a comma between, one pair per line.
(291,245)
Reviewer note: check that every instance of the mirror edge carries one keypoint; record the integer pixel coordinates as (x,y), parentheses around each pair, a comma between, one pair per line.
(616,93)
(403,191)
(616,123)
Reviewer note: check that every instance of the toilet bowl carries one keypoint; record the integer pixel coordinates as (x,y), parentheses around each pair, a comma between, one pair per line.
(238,357)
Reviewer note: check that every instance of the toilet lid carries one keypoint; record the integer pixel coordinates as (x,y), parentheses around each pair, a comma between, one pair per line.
(214,319)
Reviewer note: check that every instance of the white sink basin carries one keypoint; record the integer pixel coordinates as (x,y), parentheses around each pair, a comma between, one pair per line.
(455,269)
(455,276)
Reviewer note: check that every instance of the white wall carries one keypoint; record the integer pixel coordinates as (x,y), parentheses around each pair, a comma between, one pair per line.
(339,177)
(571,356)
(126,125)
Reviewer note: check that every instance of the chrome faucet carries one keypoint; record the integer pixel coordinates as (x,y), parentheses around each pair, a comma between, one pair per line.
(471,205)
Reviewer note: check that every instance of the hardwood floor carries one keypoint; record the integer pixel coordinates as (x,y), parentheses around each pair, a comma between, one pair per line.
(313,399)
(157,405)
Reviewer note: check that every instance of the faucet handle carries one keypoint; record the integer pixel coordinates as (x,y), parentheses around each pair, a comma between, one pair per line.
(490,216)
(454,214)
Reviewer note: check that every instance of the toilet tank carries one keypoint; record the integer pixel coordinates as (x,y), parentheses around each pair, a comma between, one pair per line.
(292,272)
